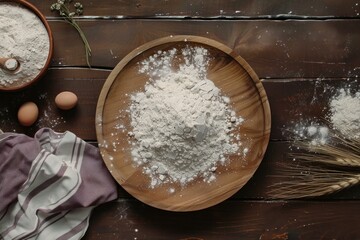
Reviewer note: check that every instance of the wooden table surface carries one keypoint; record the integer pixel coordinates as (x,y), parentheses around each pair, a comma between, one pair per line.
(297,48)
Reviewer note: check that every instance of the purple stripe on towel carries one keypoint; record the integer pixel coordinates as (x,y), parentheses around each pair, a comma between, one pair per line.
(16,156)
(41,159)
(97,185)
(46,222)
(74,231)
(32,194)
(87,179)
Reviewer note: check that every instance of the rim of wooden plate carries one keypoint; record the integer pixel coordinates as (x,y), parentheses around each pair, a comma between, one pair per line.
(35,10)
(172,39)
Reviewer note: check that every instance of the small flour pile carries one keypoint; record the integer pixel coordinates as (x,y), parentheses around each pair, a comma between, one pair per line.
(345,113)
(181,123)
(23,37)
(344,117)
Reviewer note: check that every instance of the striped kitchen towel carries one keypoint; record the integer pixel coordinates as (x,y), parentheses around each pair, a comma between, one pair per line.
(49,184)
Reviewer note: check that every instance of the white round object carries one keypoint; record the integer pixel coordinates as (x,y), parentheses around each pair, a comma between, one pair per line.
(11,64)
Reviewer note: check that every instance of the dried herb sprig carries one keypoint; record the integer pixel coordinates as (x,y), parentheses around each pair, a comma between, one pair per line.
(318,170)
(64,11)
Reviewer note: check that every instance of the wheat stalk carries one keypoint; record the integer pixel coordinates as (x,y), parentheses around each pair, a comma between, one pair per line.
(339,151)
(302,182)
(318,169)
(68,16)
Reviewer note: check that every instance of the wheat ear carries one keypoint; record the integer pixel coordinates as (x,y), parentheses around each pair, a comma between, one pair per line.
(318,169)
(312,183)
(339,151)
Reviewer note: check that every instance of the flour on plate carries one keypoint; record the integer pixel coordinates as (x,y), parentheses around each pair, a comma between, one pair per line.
(181,123)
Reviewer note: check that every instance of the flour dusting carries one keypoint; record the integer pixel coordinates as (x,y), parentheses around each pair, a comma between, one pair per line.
(315,132)
(181,123)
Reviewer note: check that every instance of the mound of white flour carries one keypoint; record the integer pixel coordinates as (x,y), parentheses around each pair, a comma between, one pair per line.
(23,37)
(343,116)
(181,123)
(345,113)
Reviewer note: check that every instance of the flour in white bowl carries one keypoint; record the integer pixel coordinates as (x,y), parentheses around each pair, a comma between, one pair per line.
(181,123)
(25,38)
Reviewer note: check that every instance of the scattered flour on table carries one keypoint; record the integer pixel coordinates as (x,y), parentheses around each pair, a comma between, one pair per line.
(315,132)
(345,113)
(181,123)
(48,117)
(23,37)
(344,117)
(48,114)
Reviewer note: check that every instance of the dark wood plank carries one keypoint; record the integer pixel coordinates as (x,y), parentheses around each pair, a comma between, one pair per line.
(260,184)
(275,49)
(80,120)
(290,101)
(289,56)
(293,101)
(276,157)
(129,219)
(215,8)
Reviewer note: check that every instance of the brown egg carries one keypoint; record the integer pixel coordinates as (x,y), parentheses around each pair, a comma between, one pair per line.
(66,100)
(28,114)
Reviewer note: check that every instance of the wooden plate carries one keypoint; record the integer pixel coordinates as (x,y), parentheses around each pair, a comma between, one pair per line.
(37,12)
(248,99)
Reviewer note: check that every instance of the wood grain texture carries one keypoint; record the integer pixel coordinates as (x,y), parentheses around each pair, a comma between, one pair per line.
(274,49)
(129,219)
(233,76)
(290,100)
(290,56)
(214,8)
(81,120)
(258,187)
